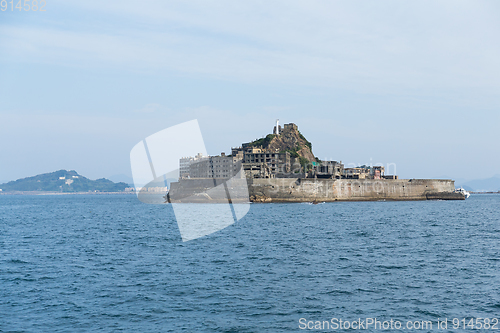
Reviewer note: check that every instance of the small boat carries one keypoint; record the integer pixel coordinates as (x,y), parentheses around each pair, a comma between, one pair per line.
(463,191)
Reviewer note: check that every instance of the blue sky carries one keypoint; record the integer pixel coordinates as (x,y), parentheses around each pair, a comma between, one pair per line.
(411,83)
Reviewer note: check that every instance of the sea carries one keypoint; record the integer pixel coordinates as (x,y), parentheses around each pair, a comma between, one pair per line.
(109,263)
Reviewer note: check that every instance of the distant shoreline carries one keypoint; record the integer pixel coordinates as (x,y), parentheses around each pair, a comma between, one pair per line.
(61,193)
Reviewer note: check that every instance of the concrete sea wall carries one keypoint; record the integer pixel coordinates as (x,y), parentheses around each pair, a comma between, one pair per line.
(310,189)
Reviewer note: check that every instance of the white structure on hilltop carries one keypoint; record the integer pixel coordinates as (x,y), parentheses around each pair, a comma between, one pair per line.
(277,128)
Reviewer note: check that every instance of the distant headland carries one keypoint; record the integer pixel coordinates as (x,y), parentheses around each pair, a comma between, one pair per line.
(63,181)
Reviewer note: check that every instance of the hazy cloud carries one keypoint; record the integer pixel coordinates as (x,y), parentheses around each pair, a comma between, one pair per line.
(383,46)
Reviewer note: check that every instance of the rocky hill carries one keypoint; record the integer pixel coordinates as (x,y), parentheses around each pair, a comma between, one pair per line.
(291,140)
(63,181)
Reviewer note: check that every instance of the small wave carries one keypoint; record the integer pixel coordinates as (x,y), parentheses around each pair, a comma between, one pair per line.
(17,261)
(337,292)
(430,314)
(494,305)
(392,267)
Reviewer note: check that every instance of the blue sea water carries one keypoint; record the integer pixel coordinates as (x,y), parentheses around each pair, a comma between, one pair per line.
(85,263)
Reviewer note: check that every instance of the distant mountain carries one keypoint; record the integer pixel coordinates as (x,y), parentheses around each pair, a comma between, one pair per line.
(482,185)
(467,188)
(63,181)
(121,178)
(477,185)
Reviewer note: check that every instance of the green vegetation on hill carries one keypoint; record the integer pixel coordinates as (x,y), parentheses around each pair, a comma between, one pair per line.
(305,163)
(309,144)
(264,142)
(63,181)
(294,152)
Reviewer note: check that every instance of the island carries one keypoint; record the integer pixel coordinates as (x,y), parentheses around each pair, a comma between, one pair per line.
(281,167)
(63,181)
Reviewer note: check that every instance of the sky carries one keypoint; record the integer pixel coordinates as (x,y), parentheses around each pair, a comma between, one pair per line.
(411,84)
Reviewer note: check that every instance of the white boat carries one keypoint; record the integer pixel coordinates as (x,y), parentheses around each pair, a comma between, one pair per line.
(463,191)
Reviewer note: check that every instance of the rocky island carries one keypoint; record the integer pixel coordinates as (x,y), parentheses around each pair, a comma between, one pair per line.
(281,167)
